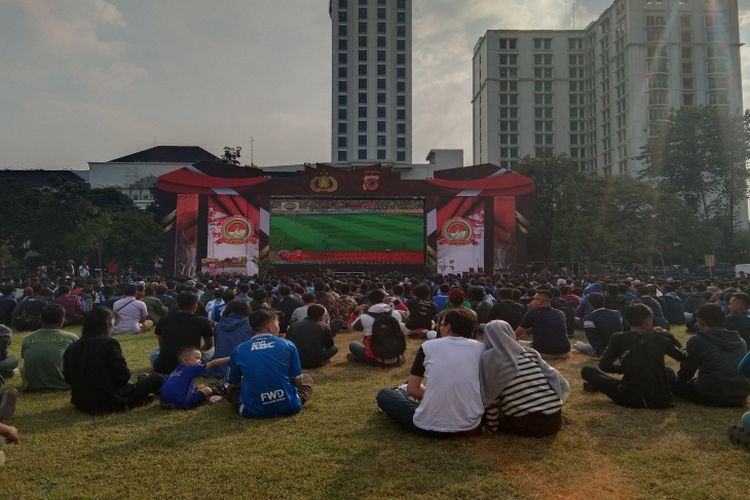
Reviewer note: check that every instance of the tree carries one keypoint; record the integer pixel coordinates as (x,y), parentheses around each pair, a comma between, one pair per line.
(90,237)
(568,232)
(702,157)
(135,239)
(232,155)
(549,175)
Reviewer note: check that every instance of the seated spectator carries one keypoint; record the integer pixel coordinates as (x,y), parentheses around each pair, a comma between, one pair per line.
(8,433)
(421,311)
(182,329)
(441,297)
(232,329)
(131,315)
(8,362)
(671,303)
(613,299)
(286,306)
(312,338)
(363,352)
(155,308)
(27,315)
(179,390)
(507,309)
(522,394)
(599,326)
(342,308)
(740,434)
(98,373)
(43,350)
(647,295)
(640,352)
(265,372)
(479,305)
(217,305)
(548,327)
(74,311)
(566,294)
(738,319)
(301,312)
(7,304)
(695,299)
(713,353)
(451,403)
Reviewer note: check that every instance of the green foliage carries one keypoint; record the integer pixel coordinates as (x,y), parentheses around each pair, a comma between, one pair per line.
(232,155)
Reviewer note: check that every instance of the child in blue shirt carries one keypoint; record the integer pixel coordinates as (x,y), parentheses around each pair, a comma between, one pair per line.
(179,389)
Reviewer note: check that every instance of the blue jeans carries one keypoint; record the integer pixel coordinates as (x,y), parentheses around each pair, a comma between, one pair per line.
(401,408)
(359,351)
(7,365)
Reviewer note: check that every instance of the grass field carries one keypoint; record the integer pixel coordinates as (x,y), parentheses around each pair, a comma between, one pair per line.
(339,446)
(350,233)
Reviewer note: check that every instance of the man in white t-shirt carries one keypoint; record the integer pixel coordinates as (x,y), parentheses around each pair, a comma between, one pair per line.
(449,403)
(131,314)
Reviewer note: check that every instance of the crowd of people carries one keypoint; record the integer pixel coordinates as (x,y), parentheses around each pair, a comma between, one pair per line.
(485,362)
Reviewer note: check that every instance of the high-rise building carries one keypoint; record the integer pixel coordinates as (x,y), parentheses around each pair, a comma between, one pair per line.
(598,94)
(371,81)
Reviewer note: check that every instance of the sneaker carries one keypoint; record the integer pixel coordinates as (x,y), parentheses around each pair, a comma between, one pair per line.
(8,404)
(584,348)
(149,399)
(589,388)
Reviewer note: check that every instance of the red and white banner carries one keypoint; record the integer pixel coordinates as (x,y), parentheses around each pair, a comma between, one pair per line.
(233,234)
(186,235)
(460,235)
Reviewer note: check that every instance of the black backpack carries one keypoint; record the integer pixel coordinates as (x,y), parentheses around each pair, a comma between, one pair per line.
(387,339)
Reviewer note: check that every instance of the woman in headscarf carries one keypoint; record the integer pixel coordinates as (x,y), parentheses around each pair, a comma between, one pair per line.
(522,394)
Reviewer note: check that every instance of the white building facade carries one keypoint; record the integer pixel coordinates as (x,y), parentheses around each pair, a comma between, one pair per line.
(598,94)
(371,81)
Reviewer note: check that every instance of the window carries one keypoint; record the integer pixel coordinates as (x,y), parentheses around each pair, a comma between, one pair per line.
(400,142)
(401,156)
(401,31)
(363,12)
(381,84)
(381,69)
(362,113)
(508,60)
(381,41)
(362,70)
(400,86)
(381,98)
(362,55)
(381,154)
(342,72)
(401,114)
(362,27)
(381,56)
(342,86)
(342,114)
(400,128)
(400,44)
(543,59)
(400,100)
(342,30)
(688,99)
(400,72)
(400,58)
(363,98)
(342,156)
(342,44)
(342,100)
(342,58)
(362,140)
(362,84)
(507,43)
(342,16)
(687,53)
(342,4)
(381,140)
(401,4)
(381,112)
(342,128)
(381,126)
(342,142)
(381,13)
(363,41)
(381,28)
(542,43)
(362,154)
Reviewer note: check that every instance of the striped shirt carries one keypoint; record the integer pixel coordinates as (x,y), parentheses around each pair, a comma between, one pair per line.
(529,391)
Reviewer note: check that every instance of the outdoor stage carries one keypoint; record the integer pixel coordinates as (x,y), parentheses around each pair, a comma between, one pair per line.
(224,219)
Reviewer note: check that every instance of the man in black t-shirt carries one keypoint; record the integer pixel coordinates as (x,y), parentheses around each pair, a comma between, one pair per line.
(646,382)
(312,338)
(421,310)
(180,330)
(507,309)
(548,326)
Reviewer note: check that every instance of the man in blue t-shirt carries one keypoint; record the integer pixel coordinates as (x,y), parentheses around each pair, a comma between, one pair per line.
(547,325)
(265,372)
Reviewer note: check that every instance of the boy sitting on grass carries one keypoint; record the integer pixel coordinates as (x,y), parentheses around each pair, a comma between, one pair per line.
(179,390)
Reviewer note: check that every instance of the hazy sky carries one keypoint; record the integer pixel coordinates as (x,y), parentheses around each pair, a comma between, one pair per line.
(91,80)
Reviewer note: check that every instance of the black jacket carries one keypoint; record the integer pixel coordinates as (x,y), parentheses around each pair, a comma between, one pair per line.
(715,354)
(311,338)
(97,373)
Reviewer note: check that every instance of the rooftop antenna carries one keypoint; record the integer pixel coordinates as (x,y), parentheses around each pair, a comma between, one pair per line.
(573,13)
(252,151)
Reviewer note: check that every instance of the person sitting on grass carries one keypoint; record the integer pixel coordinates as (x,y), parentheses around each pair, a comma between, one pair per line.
(265,373)
(738,319)
(97,372)
(599,326)
(131,314)
(421,312)
(645,379)
(179,390)
(232,329)
(450,403)
(522,394)
(714,352)
(43,350)
(312,338)
(377,308)
(8,433)
(740,434)
(8,362)
(548,326)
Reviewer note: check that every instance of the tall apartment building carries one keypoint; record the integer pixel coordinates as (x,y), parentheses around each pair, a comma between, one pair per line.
(371,81)
(598,94)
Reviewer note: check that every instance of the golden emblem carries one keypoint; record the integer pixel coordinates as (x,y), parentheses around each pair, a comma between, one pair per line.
(324,184)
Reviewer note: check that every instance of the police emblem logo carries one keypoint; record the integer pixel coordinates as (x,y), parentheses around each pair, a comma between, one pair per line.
(457,231)
(324,184)
(236,230)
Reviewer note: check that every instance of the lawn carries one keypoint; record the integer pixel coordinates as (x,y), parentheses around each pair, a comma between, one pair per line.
(339,446)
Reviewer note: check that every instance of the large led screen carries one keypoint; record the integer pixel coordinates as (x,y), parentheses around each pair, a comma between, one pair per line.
(347,231)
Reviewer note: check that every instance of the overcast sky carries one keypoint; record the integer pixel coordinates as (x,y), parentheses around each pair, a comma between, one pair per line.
(92,80)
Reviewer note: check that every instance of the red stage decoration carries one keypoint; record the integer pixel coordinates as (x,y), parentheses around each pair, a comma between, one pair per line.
(186,235)
(233,224)
(460,226)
